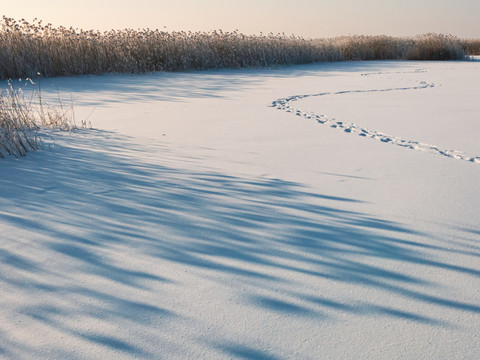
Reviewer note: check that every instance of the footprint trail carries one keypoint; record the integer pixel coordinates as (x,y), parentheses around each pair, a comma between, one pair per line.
(286,104)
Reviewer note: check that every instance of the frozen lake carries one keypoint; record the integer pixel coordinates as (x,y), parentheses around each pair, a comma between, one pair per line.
(196,220)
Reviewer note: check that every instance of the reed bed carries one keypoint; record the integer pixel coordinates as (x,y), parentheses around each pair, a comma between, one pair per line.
(30,48)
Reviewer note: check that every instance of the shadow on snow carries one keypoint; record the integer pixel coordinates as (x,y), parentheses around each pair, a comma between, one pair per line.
(99,199)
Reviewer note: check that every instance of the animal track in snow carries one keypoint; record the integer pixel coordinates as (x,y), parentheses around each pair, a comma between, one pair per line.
(285,104)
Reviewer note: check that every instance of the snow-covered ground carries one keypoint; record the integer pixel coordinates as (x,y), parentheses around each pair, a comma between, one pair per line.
(198,221)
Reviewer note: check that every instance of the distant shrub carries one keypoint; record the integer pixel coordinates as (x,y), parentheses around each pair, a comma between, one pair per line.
(472,46)
(26,49)
(371,47)
(436,47)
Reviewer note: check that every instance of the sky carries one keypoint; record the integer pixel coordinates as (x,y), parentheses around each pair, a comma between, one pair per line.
(307,18)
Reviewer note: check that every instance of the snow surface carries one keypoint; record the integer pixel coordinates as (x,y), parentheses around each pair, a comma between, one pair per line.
(199,221)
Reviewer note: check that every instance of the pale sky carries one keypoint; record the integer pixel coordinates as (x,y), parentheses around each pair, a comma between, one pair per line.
(307,18)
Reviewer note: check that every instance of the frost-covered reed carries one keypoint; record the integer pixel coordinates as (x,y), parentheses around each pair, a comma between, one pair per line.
(27,48)
(21,119)
(18,128)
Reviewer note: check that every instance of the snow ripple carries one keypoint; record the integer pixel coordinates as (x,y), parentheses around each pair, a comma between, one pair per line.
(285,104)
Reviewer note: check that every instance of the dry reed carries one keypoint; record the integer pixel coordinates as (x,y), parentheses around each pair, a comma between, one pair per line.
(27,48)
(18,128)
(21,120)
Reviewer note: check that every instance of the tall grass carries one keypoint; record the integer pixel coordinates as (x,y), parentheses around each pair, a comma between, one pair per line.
(27,48)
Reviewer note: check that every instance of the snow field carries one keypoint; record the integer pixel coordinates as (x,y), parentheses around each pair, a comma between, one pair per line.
(196,221)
